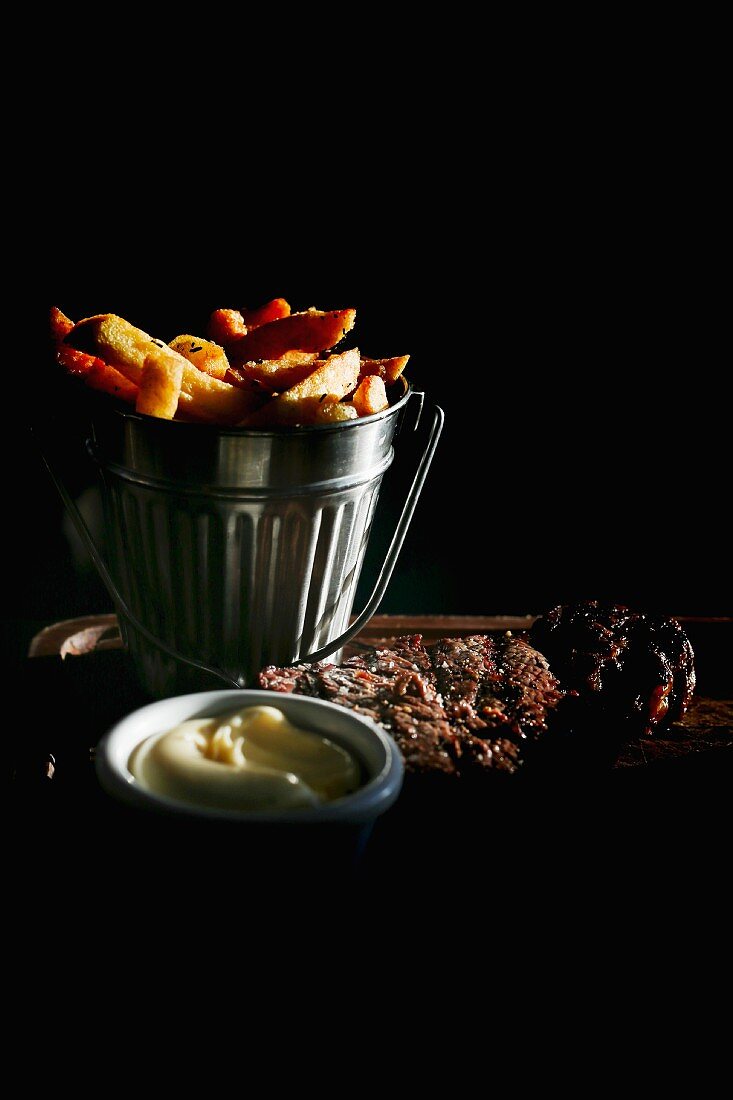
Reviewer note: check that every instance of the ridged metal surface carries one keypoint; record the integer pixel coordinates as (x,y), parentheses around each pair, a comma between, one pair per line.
(236,584)
(238,549)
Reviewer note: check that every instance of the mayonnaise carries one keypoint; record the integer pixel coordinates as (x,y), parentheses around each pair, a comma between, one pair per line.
(254,759)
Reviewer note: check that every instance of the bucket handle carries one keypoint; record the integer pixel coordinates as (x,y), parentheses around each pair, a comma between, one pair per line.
(398,538)
(361,620)
(123,611)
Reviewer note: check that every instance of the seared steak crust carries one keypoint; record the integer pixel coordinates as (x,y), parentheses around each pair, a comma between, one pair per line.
(467,704)
(485,703)
(629,666)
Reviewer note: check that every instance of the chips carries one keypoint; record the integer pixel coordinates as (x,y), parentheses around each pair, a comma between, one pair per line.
(205,355)
(160,385)
(272,311)
(261,368)
(95,372)
(331,380)
(370,396)
(226,325)
(310,331)
(275,374)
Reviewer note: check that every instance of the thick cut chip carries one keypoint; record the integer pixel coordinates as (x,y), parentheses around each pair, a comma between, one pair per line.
(160,385)
(207,398)
(388,369)
(371,396)
(265,368)
(283,414)
(276,374)
(335,412)
(60,323)
(335,376)
(114,340)
(226,325)
(126,348)
(96,374)
(301,404)
(242,381)
(271,311)
(326,409)
(311,331)
(205,355)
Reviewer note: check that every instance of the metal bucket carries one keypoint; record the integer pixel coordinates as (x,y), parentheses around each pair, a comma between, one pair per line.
(230,549)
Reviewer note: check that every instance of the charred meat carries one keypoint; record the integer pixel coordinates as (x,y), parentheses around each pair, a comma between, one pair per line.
(627,666)
(568,695)
(466,705)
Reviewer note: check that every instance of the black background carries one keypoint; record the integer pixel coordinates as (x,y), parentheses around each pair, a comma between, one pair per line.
(535,222)
(553,281)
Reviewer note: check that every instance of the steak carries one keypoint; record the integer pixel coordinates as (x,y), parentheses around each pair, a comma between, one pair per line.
(623,666)
(466,705)
(586,679)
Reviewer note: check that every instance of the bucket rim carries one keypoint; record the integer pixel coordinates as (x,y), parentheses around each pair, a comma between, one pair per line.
(260,433)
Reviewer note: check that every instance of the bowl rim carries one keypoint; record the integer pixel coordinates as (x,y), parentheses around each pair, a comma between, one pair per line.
(364,804)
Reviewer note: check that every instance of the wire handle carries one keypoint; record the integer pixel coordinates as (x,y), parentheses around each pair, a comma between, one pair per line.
(385,573)
(361,620)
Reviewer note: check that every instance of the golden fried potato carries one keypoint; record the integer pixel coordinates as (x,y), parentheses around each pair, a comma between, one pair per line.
(226,325)
(207,398)
(387,369)
(95,373)
(205,355)
(334,412)
(60,324)
(272,311)
(277,413)
(126,348)
(242,381)
(335,376)
(303,403)
(276,374)
(370,396)
(160,385)
(275,369)
(311,331)
(114,340)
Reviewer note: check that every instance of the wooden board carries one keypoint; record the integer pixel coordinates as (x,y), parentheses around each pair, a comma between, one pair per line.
(656,826)
(707,727)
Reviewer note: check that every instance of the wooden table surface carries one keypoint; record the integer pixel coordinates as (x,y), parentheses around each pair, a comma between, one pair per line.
(707,727)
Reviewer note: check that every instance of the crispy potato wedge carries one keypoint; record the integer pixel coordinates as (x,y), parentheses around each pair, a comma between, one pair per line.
(96,374)
(370,396)
(204,354)
(242,381)
(207,398)
(160,385)
(275,370)
(277,374)
(271,311)
(226,325)
(126,348)
(115,340)
(291,414)
(311,331)
(335,376)
(335,412)
(304,402)
(60,324)
(388,370)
